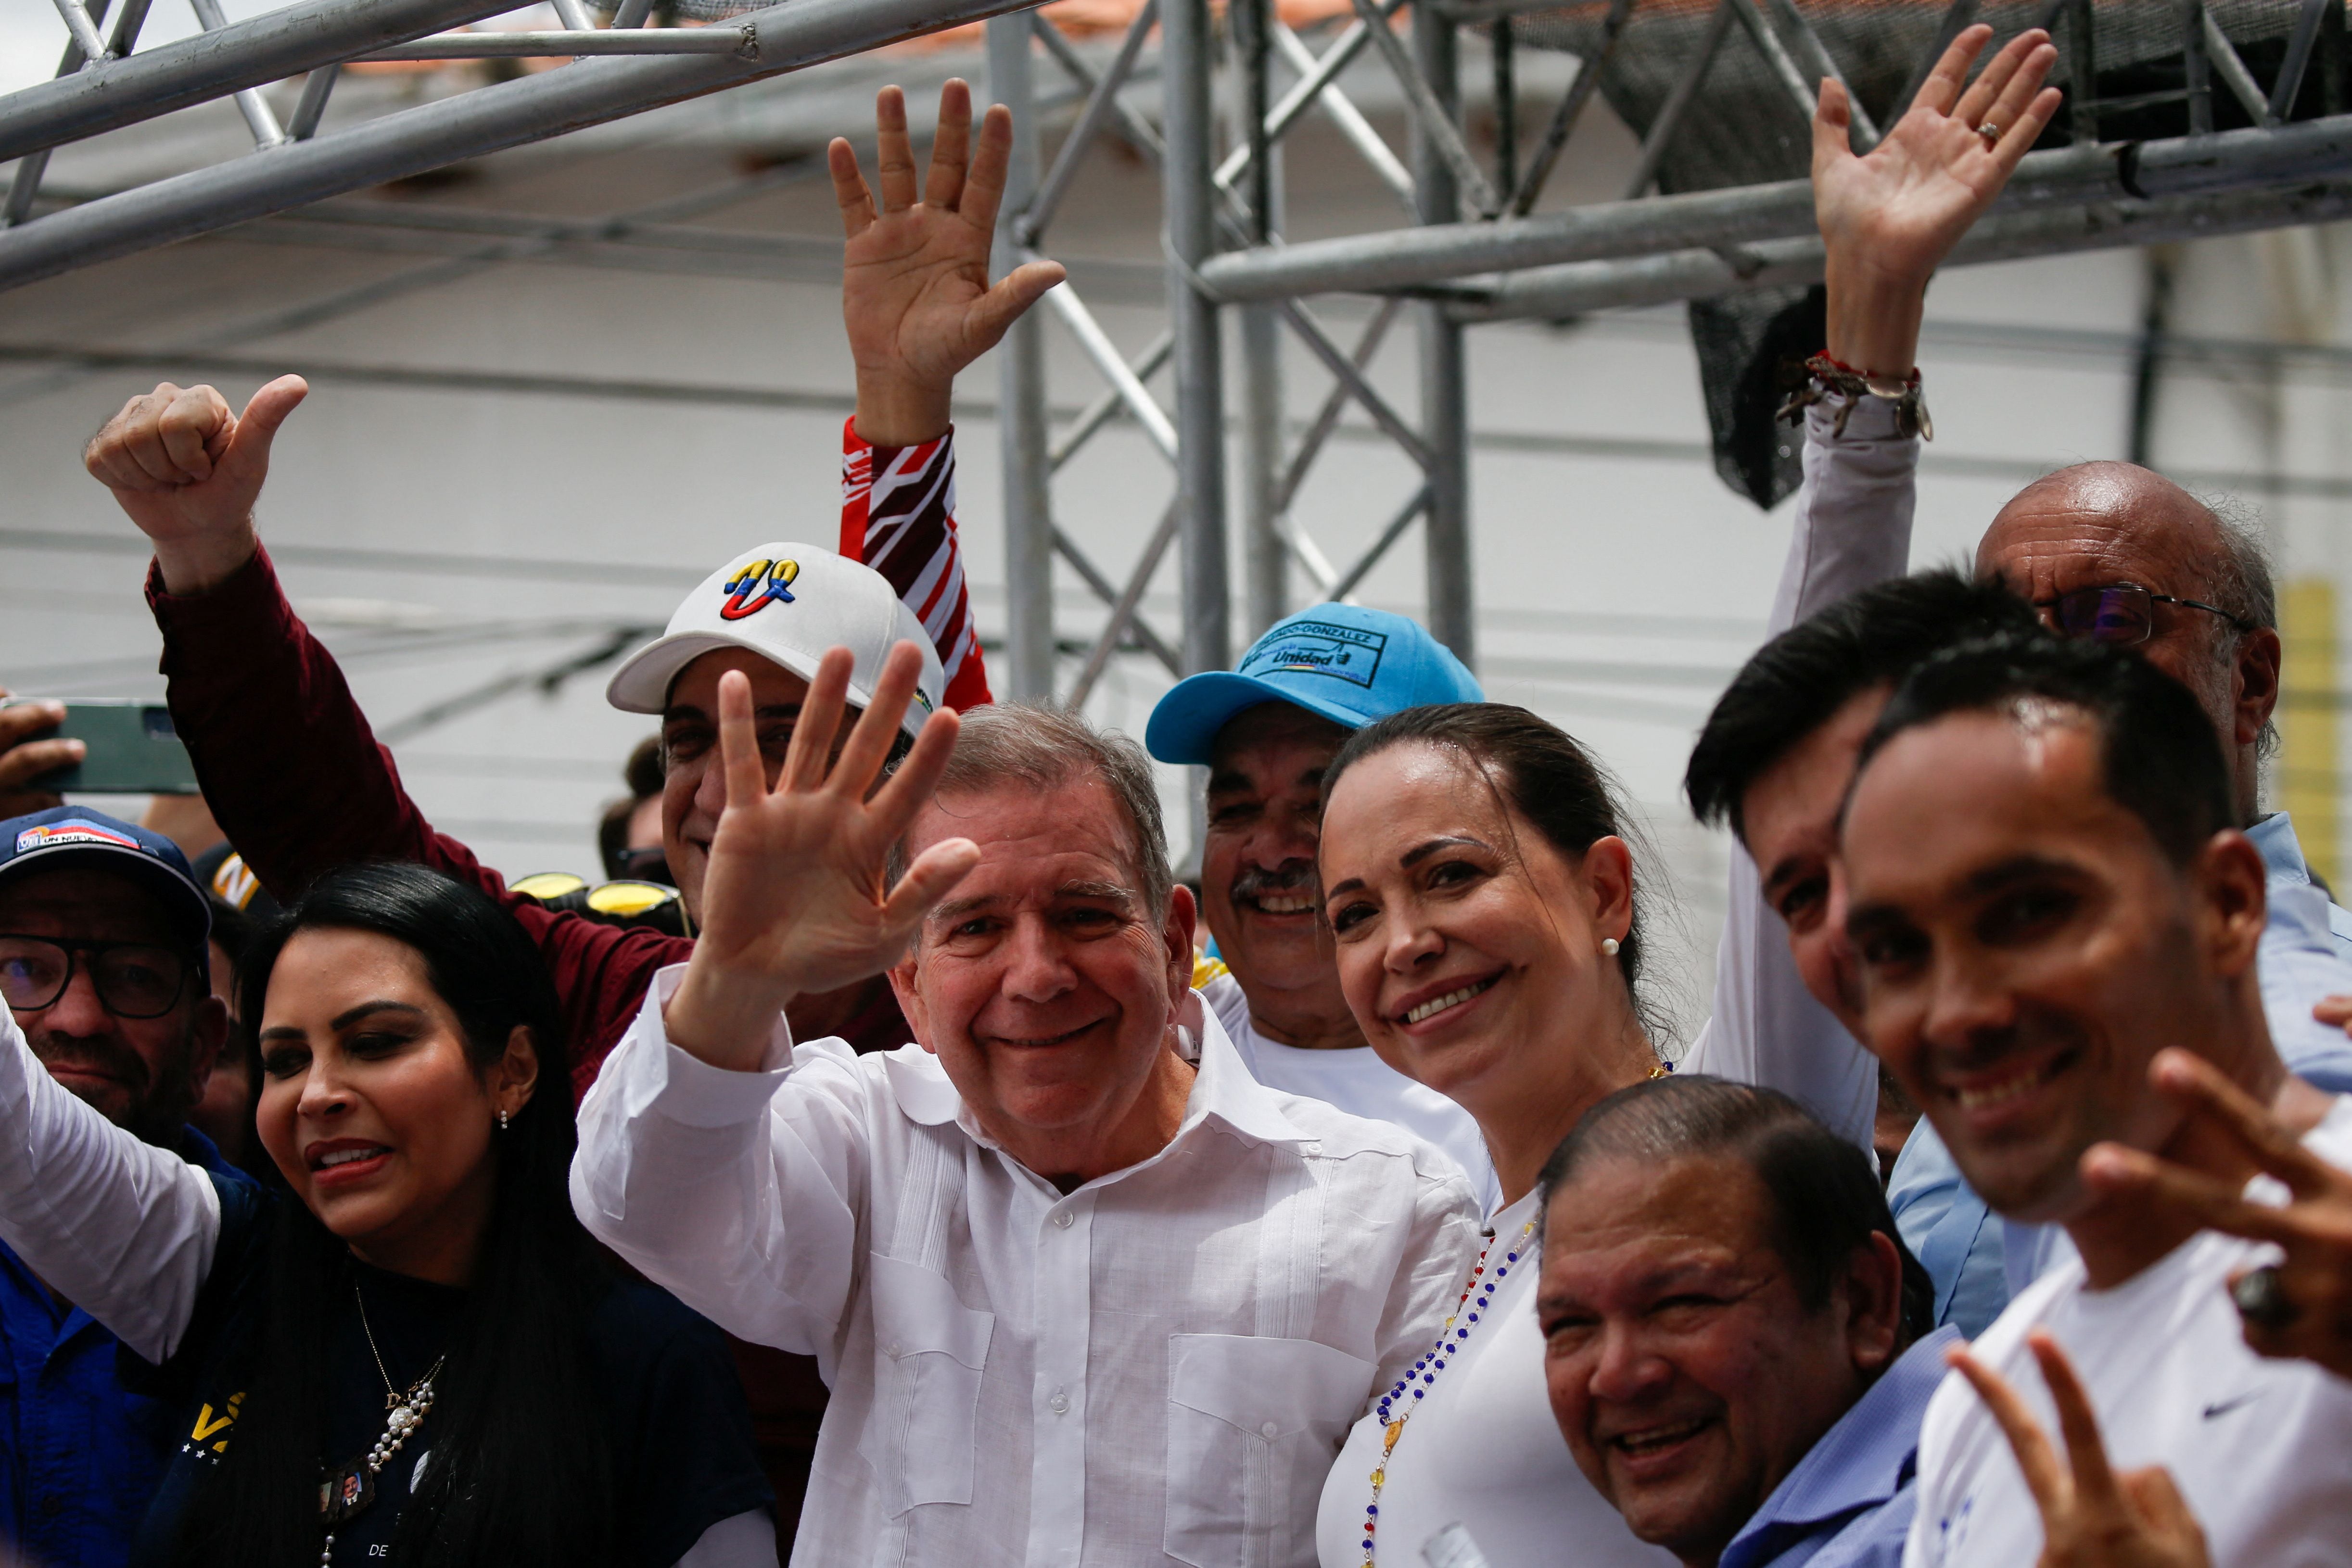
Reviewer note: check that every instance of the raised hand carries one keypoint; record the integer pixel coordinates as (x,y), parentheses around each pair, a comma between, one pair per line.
(2306,1308)
(188,470)
(1891,217)
(914,277)
(2092,1517)
(796,899)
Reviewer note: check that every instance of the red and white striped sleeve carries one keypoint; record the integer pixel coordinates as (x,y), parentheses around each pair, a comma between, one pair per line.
(897,516)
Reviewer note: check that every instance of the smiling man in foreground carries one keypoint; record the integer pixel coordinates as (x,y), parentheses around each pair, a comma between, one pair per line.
(2046,887)
(1084,1291)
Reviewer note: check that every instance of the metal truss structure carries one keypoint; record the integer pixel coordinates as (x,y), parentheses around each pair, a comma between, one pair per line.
(1231,84)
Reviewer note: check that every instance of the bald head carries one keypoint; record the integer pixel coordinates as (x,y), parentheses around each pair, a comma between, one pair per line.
(2099,525)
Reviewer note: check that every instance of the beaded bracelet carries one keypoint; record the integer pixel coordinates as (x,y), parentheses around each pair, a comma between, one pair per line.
(1833,375)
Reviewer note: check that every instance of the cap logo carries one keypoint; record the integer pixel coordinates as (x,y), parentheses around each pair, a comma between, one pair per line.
(1319,647)
(235,882)
(759,585)
(50,834)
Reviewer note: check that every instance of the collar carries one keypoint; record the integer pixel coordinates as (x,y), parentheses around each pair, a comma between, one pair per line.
(1223,1089)
(1869,1457)
(2274,835)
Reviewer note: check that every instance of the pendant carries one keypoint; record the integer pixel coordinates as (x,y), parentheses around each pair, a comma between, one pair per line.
(346,1494)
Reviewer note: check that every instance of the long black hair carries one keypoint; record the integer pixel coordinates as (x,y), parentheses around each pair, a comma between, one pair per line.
(520,1472)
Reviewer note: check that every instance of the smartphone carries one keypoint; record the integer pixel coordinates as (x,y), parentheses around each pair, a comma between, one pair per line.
(131,750)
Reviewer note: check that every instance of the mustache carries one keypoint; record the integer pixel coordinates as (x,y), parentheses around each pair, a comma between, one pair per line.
(1290,876)
(110,1057)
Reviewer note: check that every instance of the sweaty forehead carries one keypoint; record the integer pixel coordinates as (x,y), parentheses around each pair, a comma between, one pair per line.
(97,906)
(2102,524)
(1631,1210)
(1972,791)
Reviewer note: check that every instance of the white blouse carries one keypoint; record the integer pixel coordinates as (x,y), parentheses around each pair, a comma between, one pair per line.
(1481,1451)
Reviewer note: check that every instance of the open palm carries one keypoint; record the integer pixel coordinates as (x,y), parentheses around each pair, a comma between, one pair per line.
(915,291)
(1903,205)
(797,899)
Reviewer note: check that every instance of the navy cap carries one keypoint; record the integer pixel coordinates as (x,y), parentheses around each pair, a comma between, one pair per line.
(1345,663)
(66,836)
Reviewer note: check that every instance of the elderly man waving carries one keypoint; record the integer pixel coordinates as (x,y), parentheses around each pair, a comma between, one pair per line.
(1085,1291)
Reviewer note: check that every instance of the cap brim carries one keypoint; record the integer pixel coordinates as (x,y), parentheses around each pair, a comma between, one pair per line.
(1183,727)
(642,684)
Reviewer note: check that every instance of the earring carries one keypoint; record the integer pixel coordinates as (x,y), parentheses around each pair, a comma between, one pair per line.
(1608,947)
(502,1120)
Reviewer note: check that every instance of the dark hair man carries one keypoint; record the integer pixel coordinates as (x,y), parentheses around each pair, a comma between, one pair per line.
(1266,729)
(1737,1346)
(2047,886)
(104,964)
(1775,756)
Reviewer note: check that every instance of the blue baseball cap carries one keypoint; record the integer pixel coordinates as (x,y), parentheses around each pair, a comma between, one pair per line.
(1343,662)
(65,837)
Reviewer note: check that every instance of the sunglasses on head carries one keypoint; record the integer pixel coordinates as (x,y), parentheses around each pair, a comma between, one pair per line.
(2119,614)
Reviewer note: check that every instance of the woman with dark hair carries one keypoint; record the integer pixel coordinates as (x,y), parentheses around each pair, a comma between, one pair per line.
(418,1356)
(1480,893)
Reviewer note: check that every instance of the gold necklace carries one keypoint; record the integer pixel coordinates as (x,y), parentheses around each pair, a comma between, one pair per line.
(350,1490)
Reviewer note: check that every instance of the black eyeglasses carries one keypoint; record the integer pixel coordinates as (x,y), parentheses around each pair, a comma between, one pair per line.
(2120,614)
(134,979)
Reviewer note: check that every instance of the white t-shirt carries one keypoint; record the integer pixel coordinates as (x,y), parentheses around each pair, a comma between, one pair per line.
(1481,1451)
(2262,1449)
(1357,1083)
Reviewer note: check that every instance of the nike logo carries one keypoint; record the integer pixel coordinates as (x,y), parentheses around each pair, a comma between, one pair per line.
(2225,1406)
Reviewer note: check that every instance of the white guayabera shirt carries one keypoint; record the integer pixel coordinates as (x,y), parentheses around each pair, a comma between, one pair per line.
(1160,1365)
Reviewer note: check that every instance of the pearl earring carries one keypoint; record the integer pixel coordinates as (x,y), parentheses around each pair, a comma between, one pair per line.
(1608,947)
(502,1120)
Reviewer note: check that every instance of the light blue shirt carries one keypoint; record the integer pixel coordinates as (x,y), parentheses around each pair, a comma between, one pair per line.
(2306,954)
(1848,1503)
(1949,1228)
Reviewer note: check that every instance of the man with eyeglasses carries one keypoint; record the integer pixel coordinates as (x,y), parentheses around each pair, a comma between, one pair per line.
(103,962)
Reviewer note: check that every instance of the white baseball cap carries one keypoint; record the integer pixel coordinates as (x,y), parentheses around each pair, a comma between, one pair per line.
(787,603)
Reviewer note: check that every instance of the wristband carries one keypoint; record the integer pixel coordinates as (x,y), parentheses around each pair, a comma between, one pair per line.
(1835,376)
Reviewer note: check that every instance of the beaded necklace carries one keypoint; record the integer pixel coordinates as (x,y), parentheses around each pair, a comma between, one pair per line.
(1394,1410)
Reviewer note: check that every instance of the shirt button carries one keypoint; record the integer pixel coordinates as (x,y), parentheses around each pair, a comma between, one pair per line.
(1063,1219)
(1060,1403)
(891,1350)
(1269,1431)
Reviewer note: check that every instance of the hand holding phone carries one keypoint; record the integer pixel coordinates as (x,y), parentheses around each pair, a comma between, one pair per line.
(99,747)
(29,751)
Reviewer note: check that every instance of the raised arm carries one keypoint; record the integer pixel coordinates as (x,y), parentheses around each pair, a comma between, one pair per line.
(711,1158)
(918,307)
(1887,220)
(122,1230)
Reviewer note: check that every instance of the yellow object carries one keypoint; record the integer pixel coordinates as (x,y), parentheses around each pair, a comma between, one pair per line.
(1205,969)
(2308,771)
(548,885)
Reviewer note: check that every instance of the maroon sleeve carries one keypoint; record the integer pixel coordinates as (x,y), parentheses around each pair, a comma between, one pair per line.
(295,779)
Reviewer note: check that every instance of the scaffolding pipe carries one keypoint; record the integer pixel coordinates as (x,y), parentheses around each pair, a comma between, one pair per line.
(1190,195)
(214,64)
(727,41)
(1553,293)
(1749,216)
(1021,391)
(1444,386)
(432,135)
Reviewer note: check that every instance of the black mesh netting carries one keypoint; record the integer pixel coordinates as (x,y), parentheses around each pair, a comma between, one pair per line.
(1746,129)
